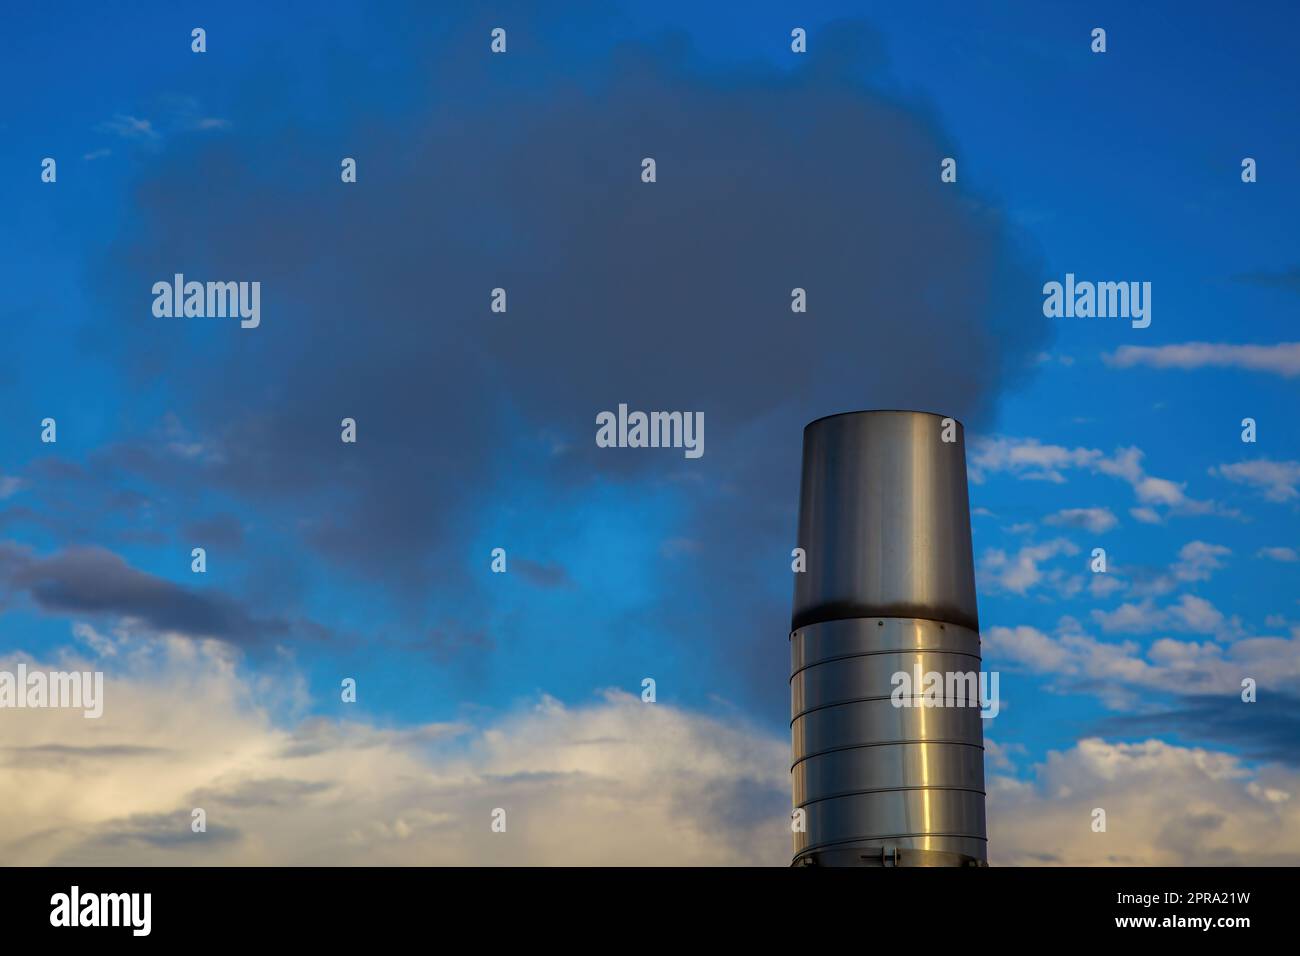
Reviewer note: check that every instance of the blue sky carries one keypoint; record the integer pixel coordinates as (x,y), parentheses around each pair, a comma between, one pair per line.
(775,170)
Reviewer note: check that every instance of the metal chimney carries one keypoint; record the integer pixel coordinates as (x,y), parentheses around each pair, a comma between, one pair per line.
(889,587)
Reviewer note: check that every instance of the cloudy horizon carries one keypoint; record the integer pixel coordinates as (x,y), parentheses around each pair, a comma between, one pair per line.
(326,561)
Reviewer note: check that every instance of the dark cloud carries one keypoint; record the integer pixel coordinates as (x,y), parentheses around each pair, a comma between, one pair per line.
(164,831)
(269,792)
(218,531)
(448,643)
(1287,279)
(463,649)
(673,295)
(745,804)
(542,574)
(94,581)
(318,735)
(107,497)
(1268,729)
(61,755)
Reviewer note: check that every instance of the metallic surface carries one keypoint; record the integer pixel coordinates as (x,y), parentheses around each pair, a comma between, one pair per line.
(889,588)
(885,521)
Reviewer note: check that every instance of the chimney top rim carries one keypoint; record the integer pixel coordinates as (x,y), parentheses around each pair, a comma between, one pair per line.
(884,411)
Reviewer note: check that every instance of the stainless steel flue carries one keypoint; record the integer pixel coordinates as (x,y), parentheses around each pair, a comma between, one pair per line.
(889,588)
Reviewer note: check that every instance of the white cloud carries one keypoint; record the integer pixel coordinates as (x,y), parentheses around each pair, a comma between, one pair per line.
(1197,615)
(1125,464)
(1278,554)
(1026,458)
(1047,358)
(1071,656)
(1159,491)
(1197,560)
(1112,670)
(1278,479)
(1020,572)
(1001,756)
(1029,459)
(1130,618)
(1096,520)
(1280,359)
(1190,614)
(614,782)
(1165,806)
(1104,585)
(129,127)
(1028,646)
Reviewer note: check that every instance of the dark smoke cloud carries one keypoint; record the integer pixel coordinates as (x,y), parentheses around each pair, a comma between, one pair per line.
(523,172)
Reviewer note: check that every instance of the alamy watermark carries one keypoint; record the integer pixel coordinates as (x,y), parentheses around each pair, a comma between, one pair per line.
(651,430)
(211,300)
(75,908)
(1102,300)
(66,690)
(947,689)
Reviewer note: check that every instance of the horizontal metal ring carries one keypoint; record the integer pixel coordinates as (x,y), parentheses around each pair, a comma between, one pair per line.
(868,700)
(855,793)
(886,743)
(908,650)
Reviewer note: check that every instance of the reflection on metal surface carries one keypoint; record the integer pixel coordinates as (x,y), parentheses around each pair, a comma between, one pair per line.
(884,519)
(889,588)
